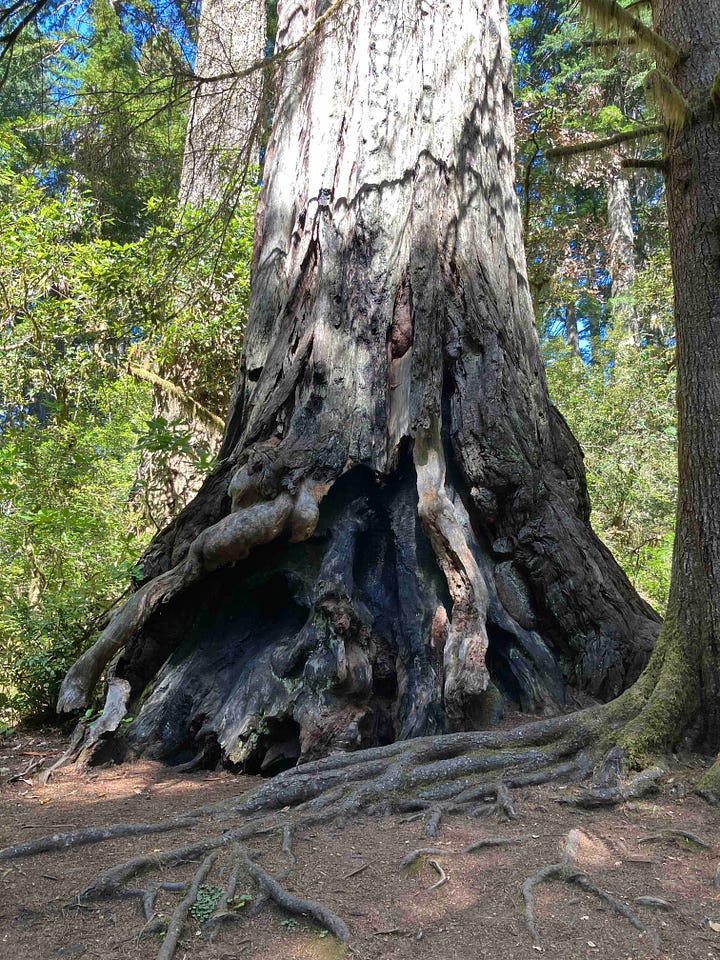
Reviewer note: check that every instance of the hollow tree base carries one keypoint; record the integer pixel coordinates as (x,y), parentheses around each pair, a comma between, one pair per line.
(339,642)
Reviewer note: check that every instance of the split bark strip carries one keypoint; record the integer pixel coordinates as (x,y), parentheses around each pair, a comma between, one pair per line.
(295,905)
(566,870)
(441,872)
(177,921)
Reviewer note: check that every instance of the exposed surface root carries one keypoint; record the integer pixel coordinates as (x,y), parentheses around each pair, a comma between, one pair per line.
(295,905)
(177,921)
(222,912)
(566,870)
(448,852)
(469,773)
(642,785)
(79,838)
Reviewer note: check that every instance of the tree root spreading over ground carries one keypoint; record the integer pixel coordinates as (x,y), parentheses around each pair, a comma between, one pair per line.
(468,774)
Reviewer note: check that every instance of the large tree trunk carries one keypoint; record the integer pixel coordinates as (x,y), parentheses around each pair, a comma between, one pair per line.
(415,507)
(680,690)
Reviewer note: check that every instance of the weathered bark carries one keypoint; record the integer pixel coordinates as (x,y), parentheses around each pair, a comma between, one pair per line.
(223,123)
(415,507)
(679,693)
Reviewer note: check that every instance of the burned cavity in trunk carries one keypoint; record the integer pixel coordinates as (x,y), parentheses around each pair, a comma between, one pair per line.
(333,626)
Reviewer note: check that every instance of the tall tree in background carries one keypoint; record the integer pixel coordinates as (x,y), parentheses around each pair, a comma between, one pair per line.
(414,505)
(226,113)
(222,143)
(681,687)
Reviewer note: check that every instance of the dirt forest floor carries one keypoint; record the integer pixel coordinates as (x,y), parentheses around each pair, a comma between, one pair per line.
(477,913)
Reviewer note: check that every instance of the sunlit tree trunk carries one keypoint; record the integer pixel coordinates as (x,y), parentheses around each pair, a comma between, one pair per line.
(397,541)
(680,689)
(621,262)
(222,141)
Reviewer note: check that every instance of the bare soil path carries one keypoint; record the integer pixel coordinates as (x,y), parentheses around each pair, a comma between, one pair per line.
(355,868)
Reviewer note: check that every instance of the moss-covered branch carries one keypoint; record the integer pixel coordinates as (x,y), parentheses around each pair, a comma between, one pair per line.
(609,15)
(603,143)
(672,105)
(188,403)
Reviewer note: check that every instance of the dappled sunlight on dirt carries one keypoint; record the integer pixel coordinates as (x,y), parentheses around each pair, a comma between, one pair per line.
(355,870)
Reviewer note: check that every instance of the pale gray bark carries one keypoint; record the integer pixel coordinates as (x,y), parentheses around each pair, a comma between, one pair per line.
(225,114)
(222,140)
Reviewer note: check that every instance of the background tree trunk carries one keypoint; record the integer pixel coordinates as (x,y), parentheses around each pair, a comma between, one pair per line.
(222,140)
(622,249)
(415,507)
(223,122)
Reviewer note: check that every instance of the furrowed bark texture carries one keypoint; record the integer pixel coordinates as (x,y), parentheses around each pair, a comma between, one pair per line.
(415,506)
(681,687)
(222,129)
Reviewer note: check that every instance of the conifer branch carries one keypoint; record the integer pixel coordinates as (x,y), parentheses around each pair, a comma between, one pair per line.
(669,100)
(640,163)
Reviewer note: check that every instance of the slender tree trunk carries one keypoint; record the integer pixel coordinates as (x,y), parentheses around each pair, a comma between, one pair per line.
(572,334)
(622,250)
(415,507)
(680,689)
(224,118)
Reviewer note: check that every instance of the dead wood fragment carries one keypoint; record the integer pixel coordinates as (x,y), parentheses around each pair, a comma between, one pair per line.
(177,921)
(654,903)
(287,844)
(431,827)
(443,876)
(679,836)
(503,802)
